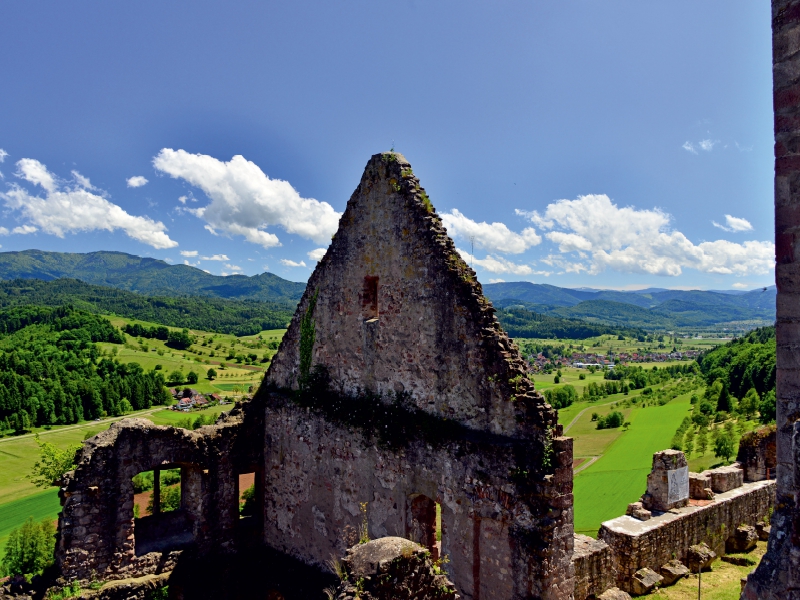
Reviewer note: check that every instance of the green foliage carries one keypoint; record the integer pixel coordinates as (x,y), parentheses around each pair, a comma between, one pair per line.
(426,202)
(50,372)
(29,549)
(52,463)
(73,590)
(744,363)
(767,408)
(211,374)
(170,499)
(180,340)
(247,505)
(612,420)
(561,397)
(724,446)
(191,377)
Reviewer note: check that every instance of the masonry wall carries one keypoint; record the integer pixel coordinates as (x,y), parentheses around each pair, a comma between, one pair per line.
(595,569)
(97,534)
(655,542)
(778,574)
(505,538)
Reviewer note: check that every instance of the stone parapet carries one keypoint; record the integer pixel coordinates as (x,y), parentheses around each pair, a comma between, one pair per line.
(653,543)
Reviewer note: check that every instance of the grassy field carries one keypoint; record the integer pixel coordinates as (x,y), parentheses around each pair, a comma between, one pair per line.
(40,506)
(210,350)
(604,490)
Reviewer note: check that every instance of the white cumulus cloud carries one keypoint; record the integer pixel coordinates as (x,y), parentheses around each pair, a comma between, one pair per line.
(290,263)
(689,147)
(136,181)
(189,253)
(497,280)
(3,155)
(498,264)
(707,145)
(245,201)
(493,237)
(219,257)
(3,231)
(24,229)
(605,236)
(233,267)
(70,209)
(317,253)
(734,224)
(740,285)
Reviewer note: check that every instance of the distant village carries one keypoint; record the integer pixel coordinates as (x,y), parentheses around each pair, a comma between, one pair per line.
(590,360)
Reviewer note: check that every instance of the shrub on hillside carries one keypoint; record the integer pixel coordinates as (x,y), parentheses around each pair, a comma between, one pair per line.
(612,420)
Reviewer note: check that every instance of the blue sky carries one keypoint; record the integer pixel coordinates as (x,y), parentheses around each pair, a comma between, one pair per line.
(602,144)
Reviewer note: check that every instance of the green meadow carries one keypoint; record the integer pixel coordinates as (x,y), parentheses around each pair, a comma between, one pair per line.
(604,489)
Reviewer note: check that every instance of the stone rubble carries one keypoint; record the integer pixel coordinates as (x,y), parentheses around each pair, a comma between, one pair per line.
(645,581)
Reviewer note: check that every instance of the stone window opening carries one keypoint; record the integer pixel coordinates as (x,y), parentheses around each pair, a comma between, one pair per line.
(250,505)
(369,298)
(425,523)
(162,517)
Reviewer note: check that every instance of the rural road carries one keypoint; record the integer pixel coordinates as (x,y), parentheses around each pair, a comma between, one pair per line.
(142,413)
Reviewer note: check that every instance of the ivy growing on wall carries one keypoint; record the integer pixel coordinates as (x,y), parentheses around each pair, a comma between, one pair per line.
(308,335)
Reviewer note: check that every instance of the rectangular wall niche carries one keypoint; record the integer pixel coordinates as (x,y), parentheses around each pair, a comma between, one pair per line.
(369,298)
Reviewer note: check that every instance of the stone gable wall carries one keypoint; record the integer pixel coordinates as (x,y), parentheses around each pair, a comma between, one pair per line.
(398,310)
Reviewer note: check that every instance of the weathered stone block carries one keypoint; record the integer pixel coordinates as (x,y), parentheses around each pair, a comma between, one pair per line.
(763,531)
(642,514)
(390,568)
(668,482)
(744,539)
(724,479)
(645,580)
(700,486)
(614,594)
(673,571)
(699,557)
(632,507)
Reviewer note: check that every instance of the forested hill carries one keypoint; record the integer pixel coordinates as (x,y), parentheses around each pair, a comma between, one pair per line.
(649,309)
(239,317)
(519,322)
(146,275)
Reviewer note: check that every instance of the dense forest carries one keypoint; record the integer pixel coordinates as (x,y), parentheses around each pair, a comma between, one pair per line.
(519,322)
(52,373)
(741,375)
(239,317)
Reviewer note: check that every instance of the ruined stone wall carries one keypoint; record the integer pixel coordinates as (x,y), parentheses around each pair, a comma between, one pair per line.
(595,569)
(96,528)
(778,574)
(655,542)
(397,310)
(506,537)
